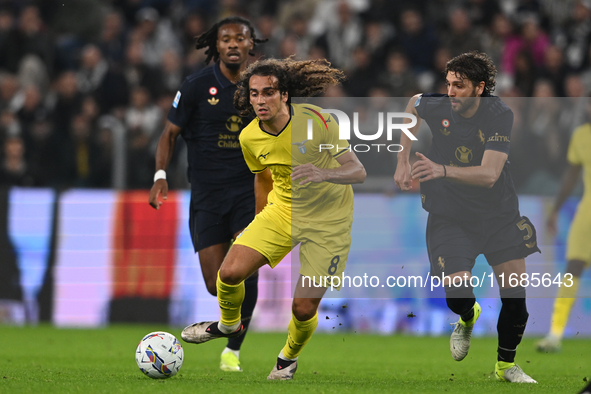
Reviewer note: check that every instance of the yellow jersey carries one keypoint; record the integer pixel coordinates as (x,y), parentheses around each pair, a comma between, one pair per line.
(579,153)
(292,147)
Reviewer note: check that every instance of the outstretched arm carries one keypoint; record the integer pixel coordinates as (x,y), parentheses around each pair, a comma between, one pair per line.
(164,152)
(484,175)
(351,171)
(569,181)
(402,174)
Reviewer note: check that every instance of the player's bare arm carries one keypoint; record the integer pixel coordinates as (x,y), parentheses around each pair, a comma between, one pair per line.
(351,171)
(263,184)
(484,175)
(164,152)
(402,175)
(569,181)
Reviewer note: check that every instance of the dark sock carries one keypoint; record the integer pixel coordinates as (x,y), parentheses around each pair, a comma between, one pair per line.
(512,321)
(468,315)
(250,300)
(586,390)
(281,363)
(461,300)
(213,329)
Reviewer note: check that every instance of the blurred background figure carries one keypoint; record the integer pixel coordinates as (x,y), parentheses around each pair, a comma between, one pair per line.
(14,170)
(417,39)
(157,35)
(142,119)
(51,56)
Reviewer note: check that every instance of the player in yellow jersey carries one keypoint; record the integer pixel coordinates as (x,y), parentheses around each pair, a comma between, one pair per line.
(303,195)
(578,253)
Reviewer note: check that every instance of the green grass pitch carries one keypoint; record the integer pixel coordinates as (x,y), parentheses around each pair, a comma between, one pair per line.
(45,359)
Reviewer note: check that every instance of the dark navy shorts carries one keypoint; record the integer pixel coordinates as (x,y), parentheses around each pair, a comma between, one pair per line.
(453,245)
(216,216)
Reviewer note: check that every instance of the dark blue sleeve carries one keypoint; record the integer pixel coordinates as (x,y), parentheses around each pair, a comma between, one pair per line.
(420,105)
(423,101)
(498,132)
(184,104)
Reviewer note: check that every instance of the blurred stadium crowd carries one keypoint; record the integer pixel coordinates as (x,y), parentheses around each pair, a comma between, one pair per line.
(85,85)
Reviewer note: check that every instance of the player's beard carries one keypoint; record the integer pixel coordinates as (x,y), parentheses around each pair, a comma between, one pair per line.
(467,103)
(233,66)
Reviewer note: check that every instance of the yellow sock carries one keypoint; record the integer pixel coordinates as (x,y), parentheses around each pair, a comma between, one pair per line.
(298,334)
(562,306)
(230,298)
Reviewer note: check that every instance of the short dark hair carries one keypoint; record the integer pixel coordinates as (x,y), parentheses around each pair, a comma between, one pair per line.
(476,67)
(209,38)
(304,78)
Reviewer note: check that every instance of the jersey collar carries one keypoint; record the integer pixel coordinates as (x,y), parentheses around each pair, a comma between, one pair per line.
(221,78)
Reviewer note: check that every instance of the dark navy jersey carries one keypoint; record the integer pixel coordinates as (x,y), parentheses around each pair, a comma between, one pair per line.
(461,142)
(203,108)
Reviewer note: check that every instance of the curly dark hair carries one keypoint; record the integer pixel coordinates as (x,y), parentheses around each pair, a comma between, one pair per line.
(476,67)
(305,78)
(209,38)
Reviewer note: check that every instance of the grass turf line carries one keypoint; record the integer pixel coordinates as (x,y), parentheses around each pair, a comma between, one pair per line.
(45,359)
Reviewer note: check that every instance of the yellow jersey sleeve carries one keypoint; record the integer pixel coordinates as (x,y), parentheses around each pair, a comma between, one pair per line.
(332,137)
(252,162)
(574,155)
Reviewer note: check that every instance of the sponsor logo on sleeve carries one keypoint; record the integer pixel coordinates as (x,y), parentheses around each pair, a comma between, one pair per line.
(177,98)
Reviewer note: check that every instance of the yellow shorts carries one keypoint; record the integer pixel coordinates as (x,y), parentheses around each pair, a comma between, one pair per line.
(324,246)
(578,245)
(269,233)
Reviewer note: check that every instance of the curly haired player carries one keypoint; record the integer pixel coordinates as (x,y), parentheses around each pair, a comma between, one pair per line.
(307,197)
(222,187)
(473,209)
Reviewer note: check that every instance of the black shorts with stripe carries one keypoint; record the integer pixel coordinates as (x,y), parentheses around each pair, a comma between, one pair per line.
(453,245)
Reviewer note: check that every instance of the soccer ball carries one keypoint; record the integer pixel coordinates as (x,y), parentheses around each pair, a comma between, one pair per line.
(159,355)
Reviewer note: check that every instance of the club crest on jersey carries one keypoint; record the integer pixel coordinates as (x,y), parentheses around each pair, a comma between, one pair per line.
(213,101)
(301,146)
(213,91)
